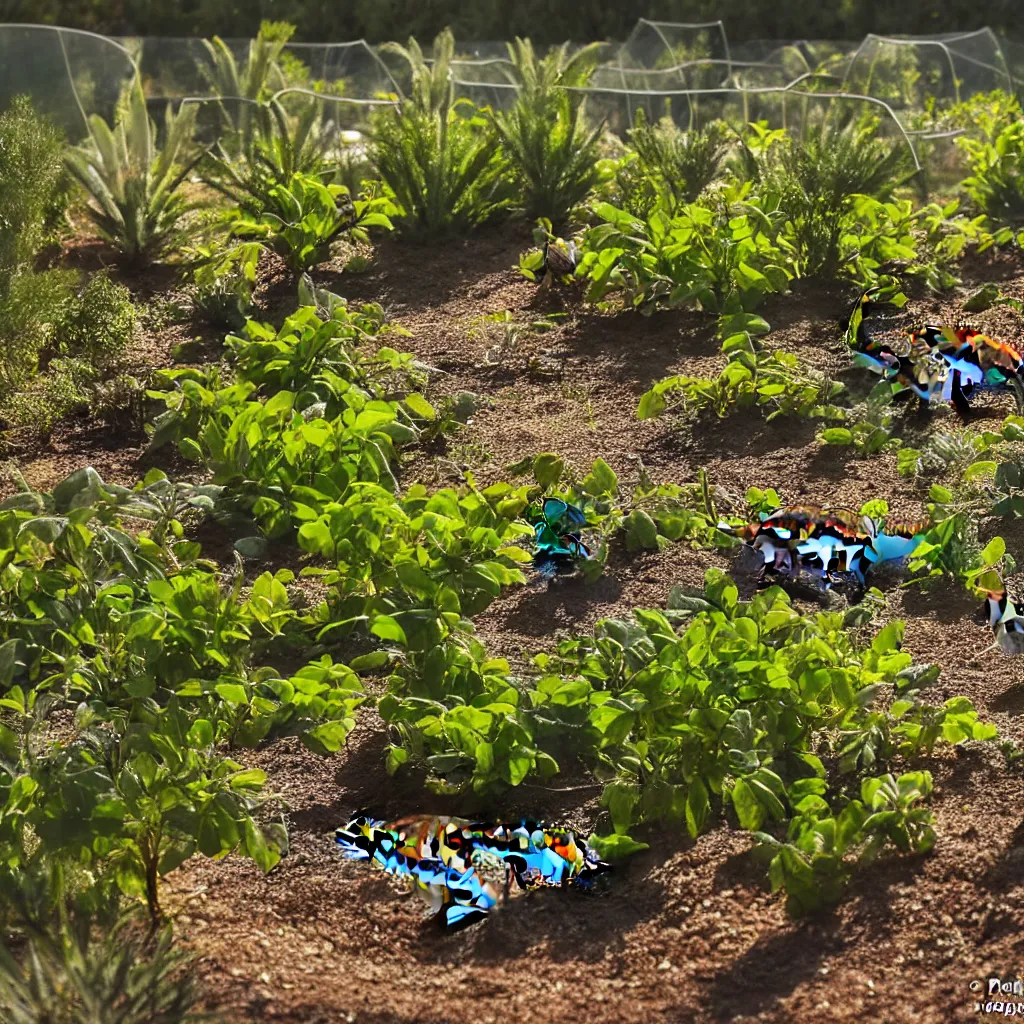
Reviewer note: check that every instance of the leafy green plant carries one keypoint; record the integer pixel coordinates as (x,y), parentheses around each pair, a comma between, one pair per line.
(814,864)
(928,241)
(118,401)
(97,323)
(271,457)
(648,519)
(445,169)
(31,170)
(224,280)
(282,145)
(317,704)
(458,709)
(1008,482)
(132,185)
(718,704)
(176,796)
(435,557)
(996,181)
(545,135)
(155,653)
(138,792)
(774,381)
(314,216)
(871,427)
(27,314)
(31,414)
(951,545)
(962,457)
(313,341)
(725,257)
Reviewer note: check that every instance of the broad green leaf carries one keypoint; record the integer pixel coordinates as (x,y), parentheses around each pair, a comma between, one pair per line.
(233,693)
(256,846)
(620,798)
(698,807)
(548,469)
(388,629)
(200,734)
(615,847)
(601,480)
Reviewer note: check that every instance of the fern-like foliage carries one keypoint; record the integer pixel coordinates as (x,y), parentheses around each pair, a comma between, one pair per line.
(69,973)
(439,156)
(283,144)
(817,177)
(545,135)
(681,163)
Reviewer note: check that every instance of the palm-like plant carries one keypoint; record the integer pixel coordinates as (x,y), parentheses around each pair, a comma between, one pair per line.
(283,145)
(240,88)
(132,185)
(72,974)
(545,134)
(444,168)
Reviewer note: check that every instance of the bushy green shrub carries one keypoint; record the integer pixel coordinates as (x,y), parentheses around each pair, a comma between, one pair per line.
(681,163)
(31,169)
(119,401)
(283,143)
(31,151)
(815,179)
(224,280)
(97,323)
(996,182)
(313,217)
(28,314)
(61,391)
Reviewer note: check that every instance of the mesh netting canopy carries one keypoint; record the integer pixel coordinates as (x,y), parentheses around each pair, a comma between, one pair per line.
(688,72)
(180,68)
(906,73)
(664,44)
(67,74)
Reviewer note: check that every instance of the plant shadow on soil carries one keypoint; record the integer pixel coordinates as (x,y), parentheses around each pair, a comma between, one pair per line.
(538,608)
(767,973)
(417,278)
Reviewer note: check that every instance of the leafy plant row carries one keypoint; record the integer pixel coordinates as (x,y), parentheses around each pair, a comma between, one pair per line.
(713,708)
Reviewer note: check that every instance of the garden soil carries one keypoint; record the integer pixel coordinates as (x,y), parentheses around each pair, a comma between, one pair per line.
(684,931)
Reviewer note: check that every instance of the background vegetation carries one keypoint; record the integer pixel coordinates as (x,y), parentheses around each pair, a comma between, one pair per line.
(545,21)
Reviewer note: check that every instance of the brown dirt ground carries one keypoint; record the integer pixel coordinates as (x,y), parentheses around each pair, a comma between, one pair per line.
(685,931)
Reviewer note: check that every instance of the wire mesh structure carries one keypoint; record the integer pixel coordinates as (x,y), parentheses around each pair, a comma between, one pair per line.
(687,72)
(179,68)
(68,75)
(656,45)
(907,72)
(489,82)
